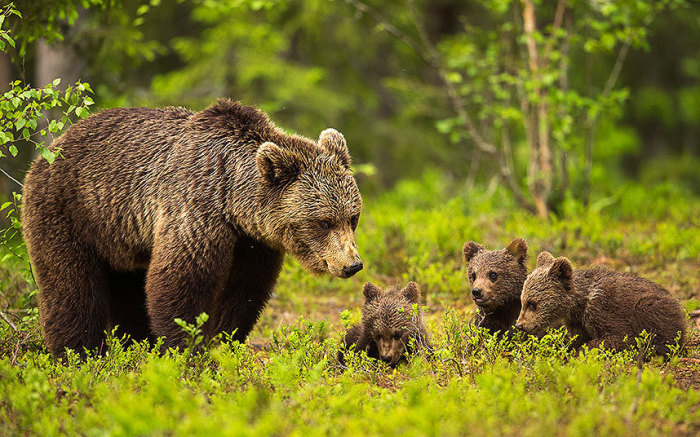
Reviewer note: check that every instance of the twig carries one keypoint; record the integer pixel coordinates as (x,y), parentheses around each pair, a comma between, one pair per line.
(11,178)
(457,105)
(393,30)
(8,321)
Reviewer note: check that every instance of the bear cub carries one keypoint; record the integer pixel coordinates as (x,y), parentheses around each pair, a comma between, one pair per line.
(599,306)
(389,322)
(496,278)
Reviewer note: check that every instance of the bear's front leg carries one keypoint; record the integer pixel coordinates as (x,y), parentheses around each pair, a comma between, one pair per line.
(187,268)
(251,280)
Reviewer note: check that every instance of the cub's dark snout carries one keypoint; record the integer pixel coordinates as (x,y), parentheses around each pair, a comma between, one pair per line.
(476,292)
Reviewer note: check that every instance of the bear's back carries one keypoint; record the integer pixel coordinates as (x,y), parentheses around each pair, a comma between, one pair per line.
(624,303)
(105,181)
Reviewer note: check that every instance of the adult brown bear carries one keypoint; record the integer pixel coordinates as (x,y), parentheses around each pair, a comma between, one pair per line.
(155,214)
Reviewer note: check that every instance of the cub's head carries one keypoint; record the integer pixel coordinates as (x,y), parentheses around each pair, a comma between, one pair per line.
(311,203)
(389,318)
(547,295)
(496,276)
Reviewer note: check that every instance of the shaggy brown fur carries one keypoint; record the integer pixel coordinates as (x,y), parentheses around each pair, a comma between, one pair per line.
(598,305)
(162,213)
(388,324)
(497,278)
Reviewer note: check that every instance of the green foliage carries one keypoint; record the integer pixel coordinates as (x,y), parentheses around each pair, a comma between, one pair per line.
(532,387)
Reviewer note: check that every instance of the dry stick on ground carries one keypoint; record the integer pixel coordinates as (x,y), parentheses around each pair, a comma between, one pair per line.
(7,320)
(431,57)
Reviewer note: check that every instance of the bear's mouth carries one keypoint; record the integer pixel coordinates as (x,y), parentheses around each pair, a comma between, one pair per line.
(481,301)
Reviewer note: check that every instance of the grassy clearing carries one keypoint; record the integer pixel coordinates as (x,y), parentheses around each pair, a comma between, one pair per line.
(286,379)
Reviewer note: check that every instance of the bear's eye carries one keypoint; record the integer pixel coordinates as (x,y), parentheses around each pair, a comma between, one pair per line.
(493,276)
(325,224)
(532,306)
(472,276)
(397,335)
(353,221)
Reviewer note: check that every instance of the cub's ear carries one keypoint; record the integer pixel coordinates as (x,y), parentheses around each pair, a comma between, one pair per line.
(561,269)
(277,166)
(544,259)
(518,248)
(371,292)
(334,142)
(470,249)
(411,292)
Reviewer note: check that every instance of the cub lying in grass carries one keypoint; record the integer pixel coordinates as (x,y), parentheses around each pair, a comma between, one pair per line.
(497,278)
(598,306)
(389,322)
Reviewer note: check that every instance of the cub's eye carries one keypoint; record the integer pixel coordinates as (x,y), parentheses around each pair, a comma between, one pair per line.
(493,276)
(397,335)
(472,277)
(325,224)
(353,221)
(532,306)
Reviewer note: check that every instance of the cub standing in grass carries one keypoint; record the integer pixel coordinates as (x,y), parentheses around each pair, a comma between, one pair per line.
(389,323)
(599,306)
(162,213)
(497,278)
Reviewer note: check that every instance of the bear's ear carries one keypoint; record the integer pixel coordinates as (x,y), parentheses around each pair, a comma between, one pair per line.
(371,292)
(470,249)
(334,142)
(544,259)
(561,269)
(518,248)
(277,166)
(411,292)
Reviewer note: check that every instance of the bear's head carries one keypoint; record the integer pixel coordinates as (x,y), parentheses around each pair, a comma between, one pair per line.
(547,296)
(391,320)
(312,203)
(496,276)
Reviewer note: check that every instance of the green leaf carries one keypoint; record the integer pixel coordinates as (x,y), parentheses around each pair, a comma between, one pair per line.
(13,149)
(48,155)
(5,205)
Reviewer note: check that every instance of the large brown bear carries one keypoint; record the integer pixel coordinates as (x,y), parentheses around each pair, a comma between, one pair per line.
(157,214)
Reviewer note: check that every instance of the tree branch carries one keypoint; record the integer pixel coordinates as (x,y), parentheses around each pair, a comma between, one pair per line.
(556,24)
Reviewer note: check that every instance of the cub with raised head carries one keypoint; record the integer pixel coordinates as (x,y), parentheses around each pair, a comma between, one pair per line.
(598,306)
(154,214)
(389,322)
(497,278)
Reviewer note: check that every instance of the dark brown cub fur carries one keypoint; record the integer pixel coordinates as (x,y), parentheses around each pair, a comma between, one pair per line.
(496,277)
(389,322)
(598,305)
(162,213)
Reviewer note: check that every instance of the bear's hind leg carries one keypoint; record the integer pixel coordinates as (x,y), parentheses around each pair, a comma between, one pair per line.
(73,297)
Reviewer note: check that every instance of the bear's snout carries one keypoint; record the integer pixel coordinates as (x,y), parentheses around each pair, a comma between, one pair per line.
(351,270)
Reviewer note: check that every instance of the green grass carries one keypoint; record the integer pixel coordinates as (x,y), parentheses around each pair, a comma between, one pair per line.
(286,380)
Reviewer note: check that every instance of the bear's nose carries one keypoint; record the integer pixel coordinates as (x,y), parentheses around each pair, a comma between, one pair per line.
(476,292)
(349,271)
(386,358)
(519,326)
